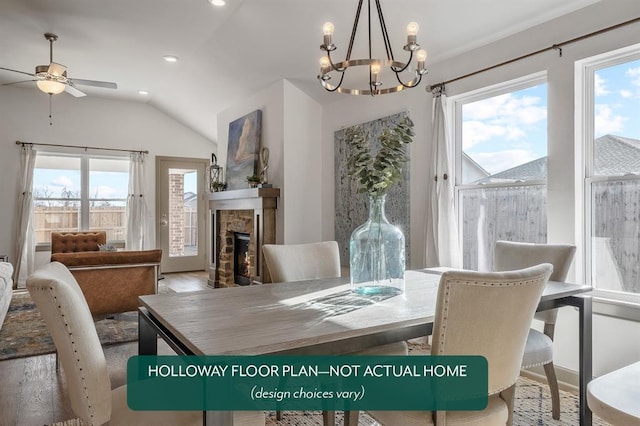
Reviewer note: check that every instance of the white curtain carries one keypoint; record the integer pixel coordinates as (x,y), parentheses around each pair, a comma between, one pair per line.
(138,234)
(25,249)
(443,220)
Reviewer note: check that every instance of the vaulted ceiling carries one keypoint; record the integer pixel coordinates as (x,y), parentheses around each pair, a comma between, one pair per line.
(227,53)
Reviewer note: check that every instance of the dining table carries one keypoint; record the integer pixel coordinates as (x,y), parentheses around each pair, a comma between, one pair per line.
(319,317)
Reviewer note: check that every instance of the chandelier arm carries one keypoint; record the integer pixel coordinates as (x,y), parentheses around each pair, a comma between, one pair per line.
(412,83)
(385,33)
(335,67)
(329,88)
(399,70)
(354,30)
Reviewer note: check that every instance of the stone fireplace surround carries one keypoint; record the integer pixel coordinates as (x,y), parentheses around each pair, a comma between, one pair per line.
(251,211)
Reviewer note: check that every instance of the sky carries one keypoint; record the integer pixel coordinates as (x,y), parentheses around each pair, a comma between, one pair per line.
(511,129)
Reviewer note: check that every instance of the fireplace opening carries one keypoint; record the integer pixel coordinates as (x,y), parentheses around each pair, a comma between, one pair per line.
(241,259)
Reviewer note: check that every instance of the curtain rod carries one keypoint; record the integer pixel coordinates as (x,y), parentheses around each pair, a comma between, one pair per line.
(557,46)
(81,147)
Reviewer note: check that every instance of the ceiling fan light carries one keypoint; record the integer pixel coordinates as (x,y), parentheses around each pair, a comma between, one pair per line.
(50,87)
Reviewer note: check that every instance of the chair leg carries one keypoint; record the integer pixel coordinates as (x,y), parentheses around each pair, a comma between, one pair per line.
(329,418)
(509,396)
(278,415)
(553,388)
(351,418)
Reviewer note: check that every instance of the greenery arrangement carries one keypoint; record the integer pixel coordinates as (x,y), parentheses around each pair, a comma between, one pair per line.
(253,179)
(376,175)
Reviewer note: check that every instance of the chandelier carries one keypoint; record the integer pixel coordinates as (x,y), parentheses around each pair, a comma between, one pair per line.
(376,66)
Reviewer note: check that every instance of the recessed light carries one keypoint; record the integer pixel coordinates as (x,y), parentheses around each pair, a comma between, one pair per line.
(218,2)
(170,58)
(143,92)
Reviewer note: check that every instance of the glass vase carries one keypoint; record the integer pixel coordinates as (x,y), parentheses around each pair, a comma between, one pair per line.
(376,251)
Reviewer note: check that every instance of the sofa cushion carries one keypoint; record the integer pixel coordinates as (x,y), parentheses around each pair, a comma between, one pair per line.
(72,242)
(100,258)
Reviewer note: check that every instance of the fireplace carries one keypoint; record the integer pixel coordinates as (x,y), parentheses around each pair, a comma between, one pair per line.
(242,221)
(241,258)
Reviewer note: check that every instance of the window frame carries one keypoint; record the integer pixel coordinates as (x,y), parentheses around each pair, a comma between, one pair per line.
(614,301)
(85,199)
(454,107)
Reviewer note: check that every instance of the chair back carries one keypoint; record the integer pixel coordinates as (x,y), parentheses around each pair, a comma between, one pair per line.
(297,262)
(488,314)
(510,255)
(66,314)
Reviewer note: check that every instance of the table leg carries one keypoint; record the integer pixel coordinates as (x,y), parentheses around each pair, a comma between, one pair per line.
(586,358)
(147,336)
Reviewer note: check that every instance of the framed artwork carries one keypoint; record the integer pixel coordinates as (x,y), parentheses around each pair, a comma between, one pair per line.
(242,151)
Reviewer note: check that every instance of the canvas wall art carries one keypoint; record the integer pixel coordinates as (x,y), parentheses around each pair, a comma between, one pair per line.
(352,208)
(243,148)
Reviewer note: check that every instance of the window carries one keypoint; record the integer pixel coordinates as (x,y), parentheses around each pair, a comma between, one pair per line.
(501,167)
(80,192)
(612,178)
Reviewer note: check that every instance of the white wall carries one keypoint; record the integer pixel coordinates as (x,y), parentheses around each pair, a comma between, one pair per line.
(88,121)
(290,129)
(563,206)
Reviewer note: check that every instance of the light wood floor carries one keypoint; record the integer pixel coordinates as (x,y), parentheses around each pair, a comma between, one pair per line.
(32,393)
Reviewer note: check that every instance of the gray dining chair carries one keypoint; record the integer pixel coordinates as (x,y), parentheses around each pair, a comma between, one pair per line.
(539,349)
(476,315)
(68,318)
(298,262)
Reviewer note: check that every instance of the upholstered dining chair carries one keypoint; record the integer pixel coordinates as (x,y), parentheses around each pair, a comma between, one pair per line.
(481,313)
(539,348)
(68,319)
(298,262)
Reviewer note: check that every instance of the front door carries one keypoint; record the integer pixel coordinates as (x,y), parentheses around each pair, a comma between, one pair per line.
(180,213)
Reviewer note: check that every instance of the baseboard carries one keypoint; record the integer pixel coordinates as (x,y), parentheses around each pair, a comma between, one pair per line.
(568,380)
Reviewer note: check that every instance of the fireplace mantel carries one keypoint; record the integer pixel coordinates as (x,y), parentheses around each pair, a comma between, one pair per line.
(262,202)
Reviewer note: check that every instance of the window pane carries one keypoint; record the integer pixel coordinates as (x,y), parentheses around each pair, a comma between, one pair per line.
(616,119)
(504,138)
(108,188)
(515,213)
(615,231)
(56,192)
(183,212)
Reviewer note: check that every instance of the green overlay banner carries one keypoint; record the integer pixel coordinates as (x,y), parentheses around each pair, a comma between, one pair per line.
(307,383)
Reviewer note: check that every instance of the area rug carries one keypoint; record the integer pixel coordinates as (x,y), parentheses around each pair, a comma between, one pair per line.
(532,408)
(24,333)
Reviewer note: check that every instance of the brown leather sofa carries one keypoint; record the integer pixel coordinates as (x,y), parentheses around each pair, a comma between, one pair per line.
(110,280)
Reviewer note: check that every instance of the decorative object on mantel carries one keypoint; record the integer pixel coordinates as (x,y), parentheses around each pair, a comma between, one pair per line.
(264,164)
(375,67)
(216,176)
(242,151)
(377,248)
(253,181)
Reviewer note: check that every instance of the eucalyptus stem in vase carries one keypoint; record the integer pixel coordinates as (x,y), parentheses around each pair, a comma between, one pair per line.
(377,248)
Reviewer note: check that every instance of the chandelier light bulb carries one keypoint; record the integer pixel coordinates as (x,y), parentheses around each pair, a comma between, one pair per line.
(328,28)
(376,68)
(421,55)
(413,28)
(324,62)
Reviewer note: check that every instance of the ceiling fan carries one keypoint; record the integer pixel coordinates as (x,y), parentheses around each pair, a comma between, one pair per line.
(52,79)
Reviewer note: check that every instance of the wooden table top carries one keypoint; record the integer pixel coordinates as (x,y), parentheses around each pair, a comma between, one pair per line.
(308,317)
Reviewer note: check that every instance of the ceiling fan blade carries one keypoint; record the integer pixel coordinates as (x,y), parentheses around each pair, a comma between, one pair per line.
(18,82)
(73,91)
(21,72)
(56,69)
(103,84)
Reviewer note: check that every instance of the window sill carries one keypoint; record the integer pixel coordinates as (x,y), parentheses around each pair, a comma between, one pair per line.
(616,308)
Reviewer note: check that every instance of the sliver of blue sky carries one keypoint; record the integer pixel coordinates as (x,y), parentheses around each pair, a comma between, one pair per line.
(507,130)
(617,100)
